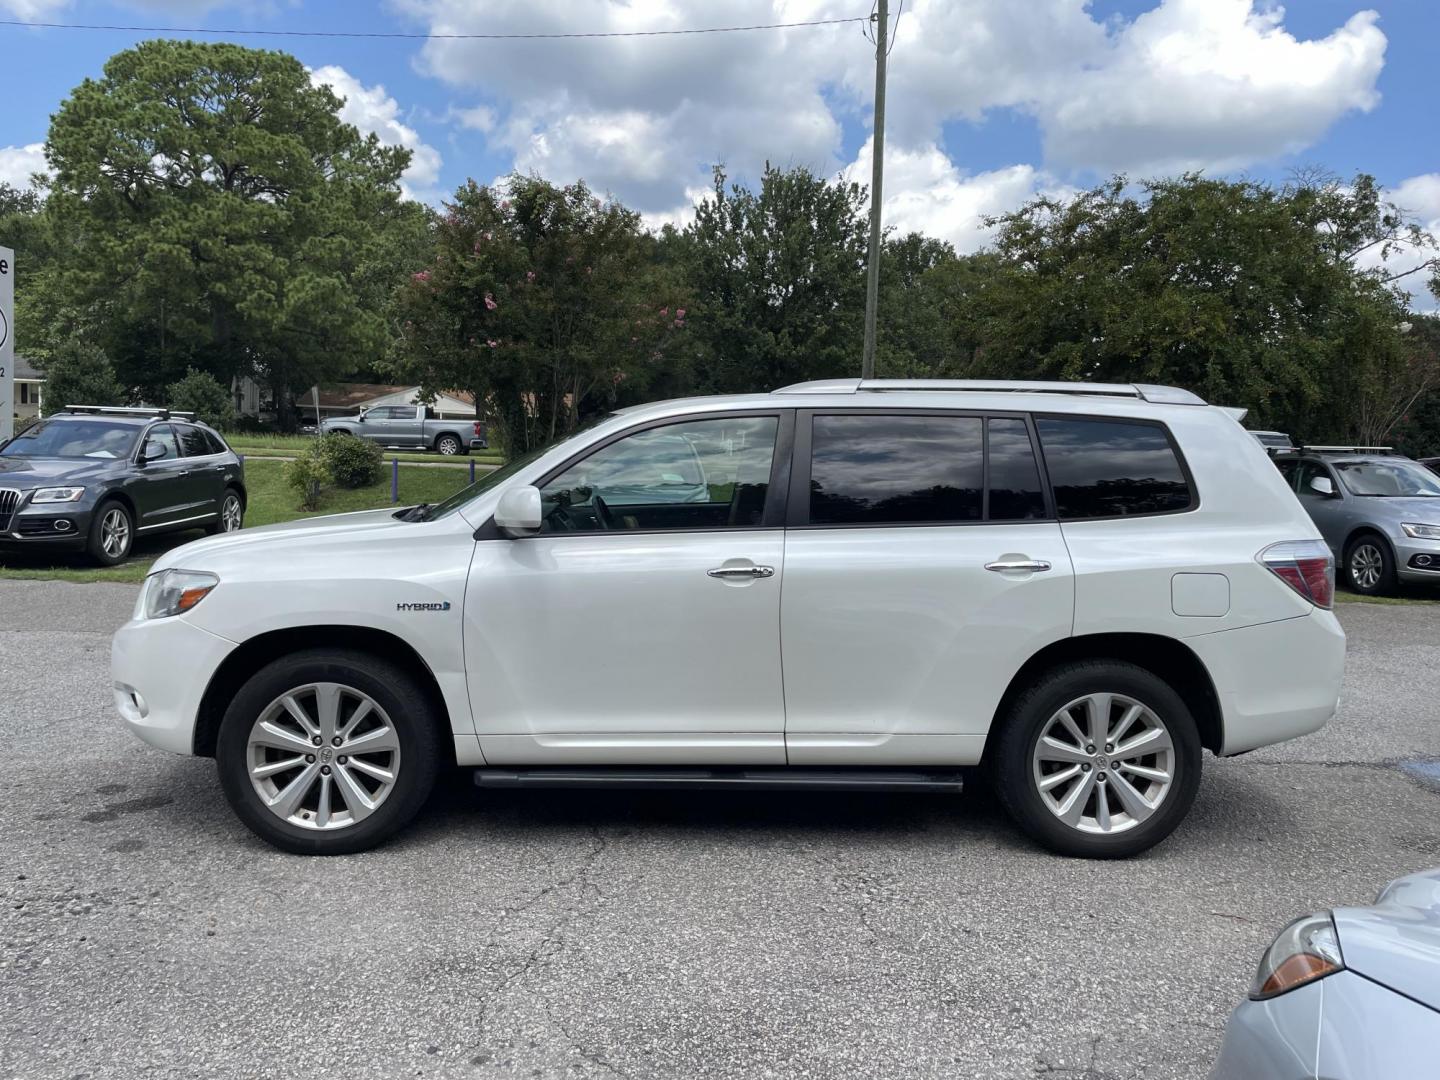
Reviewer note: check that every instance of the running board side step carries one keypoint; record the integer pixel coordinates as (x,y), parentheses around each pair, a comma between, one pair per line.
(772,779)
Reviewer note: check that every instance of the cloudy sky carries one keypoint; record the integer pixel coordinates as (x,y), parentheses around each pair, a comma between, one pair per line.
(990,100)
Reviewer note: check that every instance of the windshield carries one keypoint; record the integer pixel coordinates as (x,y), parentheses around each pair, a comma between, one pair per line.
(74,439)
(500,475)
(1388,479)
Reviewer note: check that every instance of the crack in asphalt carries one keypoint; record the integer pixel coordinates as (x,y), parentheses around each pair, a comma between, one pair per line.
(552,935)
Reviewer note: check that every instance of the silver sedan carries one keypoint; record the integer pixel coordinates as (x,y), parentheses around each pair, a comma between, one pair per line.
(1348,994)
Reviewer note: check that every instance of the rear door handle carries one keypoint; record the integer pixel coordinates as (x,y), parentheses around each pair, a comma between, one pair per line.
(742,572)
(1033,565)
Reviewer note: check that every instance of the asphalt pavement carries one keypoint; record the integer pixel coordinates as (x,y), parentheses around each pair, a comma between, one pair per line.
(145,932)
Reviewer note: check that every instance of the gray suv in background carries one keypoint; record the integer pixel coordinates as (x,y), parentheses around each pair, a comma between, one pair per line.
(414,427)
(1379,511)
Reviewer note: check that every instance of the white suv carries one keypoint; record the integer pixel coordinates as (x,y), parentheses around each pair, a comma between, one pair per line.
(842,584)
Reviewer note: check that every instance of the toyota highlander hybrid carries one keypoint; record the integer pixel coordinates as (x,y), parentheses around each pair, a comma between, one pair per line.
(863,585)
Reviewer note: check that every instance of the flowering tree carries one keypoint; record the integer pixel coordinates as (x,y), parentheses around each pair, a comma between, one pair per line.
(543,302)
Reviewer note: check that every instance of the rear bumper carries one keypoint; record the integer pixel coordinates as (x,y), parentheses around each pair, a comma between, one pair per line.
(479,444)
(160,669)
(1276,681)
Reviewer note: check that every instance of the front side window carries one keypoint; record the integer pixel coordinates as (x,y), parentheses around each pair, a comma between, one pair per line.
(696,474)
(74,439)
(896,470)
(1112,468)
(1306,474)
(160,444)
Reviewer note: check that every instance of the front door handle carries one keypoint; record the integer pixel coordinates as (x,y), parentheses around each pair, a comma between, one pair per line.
(1032,565)
(742,572)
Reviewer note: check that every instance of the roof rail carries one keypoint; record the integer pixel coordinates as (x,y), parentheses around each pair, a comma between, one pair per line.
(125,410)
(1159,395)
(1348,449)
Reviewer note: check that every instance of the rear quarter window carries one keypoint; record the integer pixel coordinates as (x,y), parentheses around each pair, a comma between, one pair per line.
(1101,468)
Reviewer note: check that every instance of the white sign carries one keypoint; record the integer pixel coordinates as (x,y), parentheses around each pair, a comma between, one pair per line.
(7,343)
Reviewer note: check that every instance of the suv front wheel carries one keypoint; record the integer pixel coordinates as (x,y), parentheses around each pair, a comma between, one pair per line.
(1370,566)
(328,752)
(1099,759)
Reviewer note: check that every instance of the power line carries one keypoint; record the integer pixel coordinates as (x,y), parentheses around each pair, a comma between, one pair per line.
(427,36)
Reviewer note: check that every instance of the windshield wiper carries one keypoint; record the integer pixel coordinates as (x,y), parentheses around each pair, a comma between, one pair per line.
(420,512)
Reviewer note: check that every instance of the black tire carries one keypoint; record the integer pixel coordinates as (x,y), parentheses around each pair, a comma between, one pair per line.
(220,523)
(406,704)
(1014,773)
(98,544)
(449,445)
(1370,565)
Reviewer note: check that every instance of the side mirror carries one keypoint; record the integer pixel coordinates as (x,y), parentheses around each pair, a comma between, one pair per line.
(1322,485)
(151,451)
(518,512)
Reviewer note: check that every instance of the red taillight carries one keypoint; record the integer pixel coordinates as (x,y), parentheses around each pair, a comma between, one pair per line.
(479,429)
(1306,566)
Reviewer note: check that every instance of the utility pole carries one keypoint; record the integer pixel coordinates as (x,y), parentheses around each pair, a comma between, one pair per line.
(877,168)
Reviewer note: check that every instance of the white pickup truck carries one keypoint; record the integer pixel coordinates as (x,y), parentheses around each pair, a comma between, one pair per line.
(411,427)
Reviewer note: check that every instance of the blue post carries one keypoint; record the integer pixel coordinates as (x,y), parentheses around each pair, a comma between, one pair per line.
(395,480)
(472,470)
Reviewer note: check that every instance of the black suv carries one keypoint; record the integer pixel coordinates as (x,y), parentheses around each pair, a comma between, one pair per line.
(92,479)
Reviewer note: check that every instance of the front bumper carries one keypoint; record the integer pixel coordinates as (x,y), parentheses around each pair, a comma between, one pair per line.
(1276,681)
(64,525)
(1408,550)
(1344,1027)
(160,669)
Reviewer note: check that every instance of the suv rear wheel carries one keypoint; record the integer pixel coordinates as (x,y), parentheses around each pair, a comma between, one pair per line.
(328,752)
(1099,759)
(1370,566)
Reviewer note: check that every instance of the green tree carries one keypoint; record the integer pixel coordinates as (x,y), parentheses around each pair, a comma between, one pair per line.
(778,277)
(199,392)
(220,213)
(1246,293)
(541,301)
(79,373)
(911,337)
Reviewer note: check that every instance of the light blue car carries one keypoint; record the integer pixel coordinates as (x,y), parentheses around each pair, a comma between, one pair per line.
(1348,994)
(1379,512)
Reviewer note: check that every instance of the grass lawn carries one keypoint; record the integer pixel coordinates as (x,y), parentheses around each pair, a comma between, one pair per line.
(266,445)
(270,502)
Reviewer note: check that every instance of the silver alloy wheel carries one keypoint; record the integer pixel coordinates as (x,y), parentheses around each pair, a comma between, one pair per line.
(448,446)
(231,514)
(1104,763)
(114,533)
(323,756)
(1367,563)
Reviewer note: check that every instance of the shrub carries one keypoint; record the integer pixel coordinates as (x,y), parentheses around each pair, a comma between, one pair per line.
(201,393)
(307,475)
(352,462)
(79,373)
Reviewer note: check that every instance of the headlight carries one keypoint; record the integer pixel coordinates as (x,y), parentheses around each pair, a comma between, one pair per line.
(56,495)
(1306,950)
(172,592)
(1421,532)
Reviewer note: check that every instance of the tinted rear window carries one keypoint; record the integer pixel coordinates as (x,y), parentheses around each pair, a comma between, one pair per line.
(1014,478)
(877,470)
(1112,468)
(193,441)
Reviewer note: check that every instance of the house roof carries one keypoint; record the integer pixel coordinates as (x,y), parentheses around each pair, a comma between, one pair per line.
(25,369)
(353,395)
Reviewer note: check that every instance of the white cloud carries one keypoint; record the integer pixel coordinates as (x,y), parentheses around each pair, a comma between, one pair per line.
(32,10)
(17,163)
(1211,84)
(371,109)
(1419,197)
(925,192)
(1191,83)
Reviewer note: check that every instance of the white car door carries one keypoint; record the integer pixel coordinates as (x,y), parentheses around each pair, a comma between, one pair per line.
(642,624)
(922,566)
